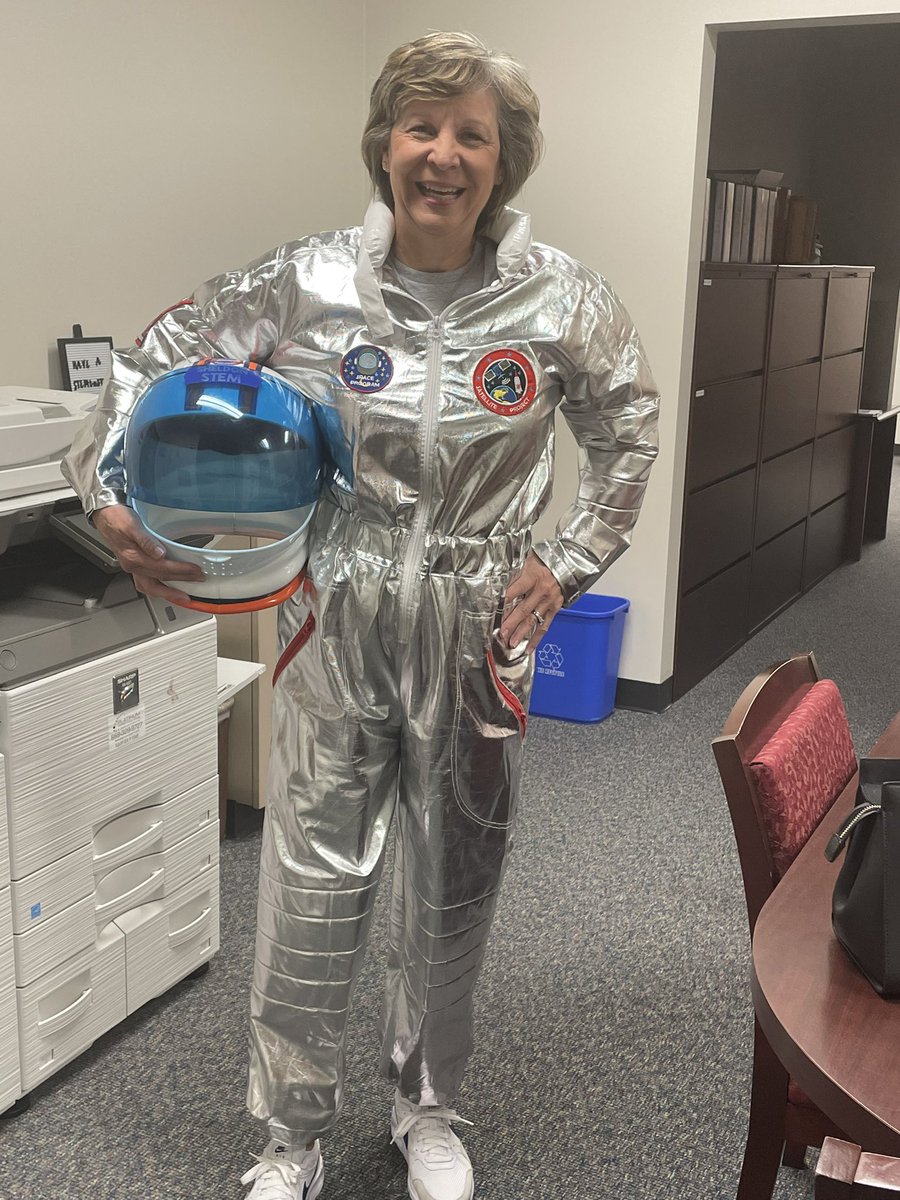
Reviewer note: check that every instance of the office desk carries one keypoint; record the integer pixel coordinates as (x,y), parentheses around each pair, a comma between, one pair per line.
(836,1036)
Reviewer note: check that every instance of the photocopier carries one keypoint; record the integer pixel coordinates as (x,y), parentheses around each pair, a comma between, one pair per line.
(109,837)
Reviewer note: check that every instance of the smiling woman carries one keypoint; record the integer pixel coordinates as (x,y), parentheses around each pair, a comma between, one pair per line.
(442,163)
(435,343)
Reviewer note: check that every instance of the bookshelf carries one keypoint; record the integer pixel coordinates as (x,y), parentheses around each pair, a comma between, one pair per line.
(752,217)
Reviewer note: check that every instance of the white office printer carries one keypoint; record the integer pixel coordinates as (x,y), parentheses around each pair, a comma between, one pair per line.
(109,840)
(36,429)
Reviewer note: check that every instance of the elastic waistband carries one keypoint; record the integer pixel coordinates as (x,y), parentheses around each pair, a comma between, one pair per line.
(442,554)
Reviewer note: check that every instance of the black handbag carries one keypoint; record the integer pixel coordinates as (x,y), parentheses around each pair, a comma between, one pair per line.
(865,907)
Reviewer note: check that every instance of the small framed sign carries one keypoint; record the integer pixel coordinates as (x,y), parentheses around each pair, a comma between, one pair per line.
(85,362)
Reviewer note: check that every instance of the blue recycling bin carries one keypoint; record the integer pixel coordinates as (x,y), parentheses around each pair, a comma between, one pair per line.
(576,665)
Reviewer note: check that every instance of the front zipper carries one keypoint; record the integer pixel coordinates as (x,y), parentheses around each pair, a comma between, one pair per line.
(412,558)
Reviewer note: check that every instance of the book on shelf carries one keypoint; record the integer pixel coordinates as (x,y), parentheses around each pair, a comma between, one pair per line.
(779,226)
(760,208)
(768,241)
(746,225)
(753,176)
(800,236)
(738,222)
(729,219)
(716,224)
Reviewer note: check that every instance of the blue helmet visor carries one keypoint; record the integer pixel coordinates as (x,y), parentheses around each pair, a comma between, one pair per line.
(216,462)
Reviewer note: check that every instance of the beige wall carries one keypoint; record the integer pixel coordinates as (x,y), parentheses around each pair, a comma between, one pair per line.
(626,92)
(117,113)
(149,144)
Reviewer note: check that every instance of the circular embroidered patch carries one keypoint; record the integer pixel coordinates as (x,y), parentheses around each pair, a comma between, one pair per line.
(504,382)
(366,369)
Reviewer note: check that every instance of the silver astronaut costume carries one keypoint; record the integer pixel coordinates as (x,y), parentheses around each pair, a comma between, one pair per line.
(391,691)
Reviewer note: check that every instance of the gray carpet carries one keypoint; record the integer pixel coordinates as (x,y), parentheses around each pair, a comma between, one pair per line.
(614,1035)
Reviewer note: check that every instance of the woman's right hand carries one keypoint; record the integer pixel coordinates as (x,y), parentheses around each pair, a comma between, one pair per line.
(140,555)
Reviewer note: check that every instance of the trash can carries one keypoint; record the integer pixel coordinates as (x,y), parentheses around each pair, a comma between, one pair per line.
(576,665)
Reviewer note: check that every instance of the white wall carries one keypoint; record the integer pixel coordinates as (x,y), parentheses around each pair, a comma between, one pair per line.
(147,146)
(626,92)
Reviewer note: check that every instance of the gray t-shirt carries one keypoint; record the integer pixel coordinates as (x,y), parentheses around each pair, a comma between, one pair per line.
(437,289)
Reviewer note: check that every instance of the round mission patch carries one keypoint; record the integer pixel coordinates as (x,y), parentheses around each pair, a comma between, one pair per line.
(366,369)
(504,382)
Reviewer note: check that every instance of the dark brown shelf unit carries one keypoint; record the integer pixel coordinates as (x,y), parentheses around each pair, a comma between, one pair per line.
(775,479)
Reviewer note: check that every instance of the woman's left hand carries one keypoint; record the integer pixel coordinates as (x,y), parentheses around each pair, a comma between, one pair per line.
(531,594)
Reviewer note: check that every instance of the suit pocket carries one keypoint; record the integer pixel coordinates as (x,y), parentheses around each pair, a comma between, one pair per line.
(488,727)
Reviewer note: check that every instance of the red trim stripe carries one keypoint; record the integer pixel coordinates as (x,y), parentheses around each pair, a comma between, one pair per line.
(139,341)
(294,646)
(510,699)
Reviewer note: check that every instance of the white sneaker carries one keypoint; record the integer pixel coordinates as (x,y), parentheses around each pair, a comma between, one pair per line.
(439,1168)
(280,1174)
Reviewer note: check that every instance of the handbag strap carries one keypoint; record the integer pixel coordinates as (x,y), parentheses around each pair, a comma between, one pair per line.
(839,840)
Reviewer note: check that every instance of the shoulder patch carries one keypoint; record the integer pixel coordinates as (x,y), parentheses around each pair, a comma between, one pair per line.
(504,381)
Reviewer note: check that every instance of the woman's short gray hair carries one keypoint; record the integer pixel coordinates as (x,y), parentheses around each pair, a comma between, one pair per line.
(450,64)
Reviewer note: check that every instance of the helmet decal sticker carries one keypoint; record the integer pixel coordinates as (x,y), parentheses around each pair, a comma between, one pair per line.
(504,381)
(366,369)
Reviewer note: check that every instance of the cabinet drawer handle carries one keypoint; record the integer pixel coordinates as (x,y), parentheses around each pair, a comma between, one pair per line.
(132,894)
(186,932)
(144,836)
(68,1015)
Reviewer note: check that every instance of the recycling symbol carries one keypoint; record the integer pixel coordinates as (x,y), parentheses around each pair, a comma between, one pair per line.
(550,656)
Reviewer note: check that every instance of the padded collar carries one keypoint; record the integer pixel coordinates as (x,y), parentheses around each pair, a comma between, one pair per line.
(511,230)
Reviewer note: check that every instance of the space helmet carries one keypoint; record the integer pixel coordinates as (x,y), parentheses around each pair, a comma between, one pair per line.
(226,448)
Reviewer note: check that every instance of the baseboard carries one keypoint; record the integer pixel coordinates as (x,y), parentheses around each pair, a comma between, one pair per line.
(897,448)
(644,697)
(243,821)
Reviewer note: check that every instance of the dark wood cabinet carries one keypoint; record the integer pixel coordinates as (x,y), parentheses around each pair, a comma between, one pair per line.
(772,449)
(732,322)
(783,492)
(838,385)
(726,430)
(718,527)
(797,319)
(777,575)
(790,416)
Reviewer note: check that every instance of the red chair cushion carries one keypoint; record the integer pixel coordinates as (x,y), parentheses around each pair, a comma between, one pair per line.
(801,769)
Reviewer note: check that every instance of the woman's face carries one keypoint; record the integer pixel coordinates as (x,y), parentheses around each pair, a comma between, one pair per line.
(443,162)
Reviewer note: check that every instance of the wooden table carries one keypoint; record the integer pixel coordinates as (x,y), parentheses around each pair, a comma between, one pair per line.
(836,1036)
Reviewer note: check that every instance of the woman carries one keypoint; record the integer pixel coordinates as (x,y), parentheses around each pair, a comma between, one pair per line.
(435,343)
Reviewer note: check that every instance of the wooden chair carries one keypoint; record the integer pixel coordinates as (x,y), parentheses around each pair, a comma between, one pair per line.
(844,1172)
(785,753)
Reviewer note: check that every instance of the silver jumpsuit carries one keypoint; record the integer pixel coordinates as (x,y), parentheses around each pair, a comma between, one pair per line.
(392,691)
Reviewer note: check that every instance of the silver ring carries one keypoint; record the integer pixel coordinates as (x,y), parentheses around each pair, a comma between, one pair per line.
(537,616)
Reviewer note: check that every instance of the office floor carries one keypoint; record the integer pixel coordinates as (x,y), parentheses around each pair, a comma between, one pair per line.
(614,1032)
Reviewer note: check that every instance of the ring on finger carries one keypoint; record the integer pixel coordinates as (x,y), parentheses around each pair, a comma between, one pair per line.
(537,616)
